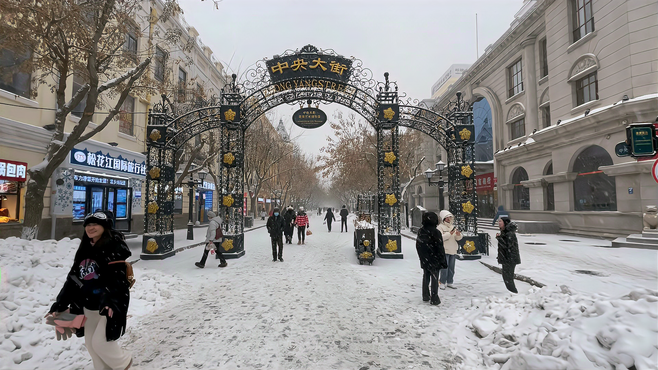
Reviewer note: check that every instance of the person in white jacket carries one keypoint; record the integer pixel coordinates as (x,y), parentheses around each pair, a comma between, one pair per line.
(212,241)
(451,235)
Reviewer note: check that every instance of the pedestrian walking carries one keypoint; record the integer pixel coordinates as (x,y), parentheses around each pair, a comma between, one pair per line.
(214,237)
(97,286)
(275,226)
(451,235)
(343,218)
(429,245)
(289,219)
(263,214)
(500,213)
(302,224)
(329,217)
(508,251)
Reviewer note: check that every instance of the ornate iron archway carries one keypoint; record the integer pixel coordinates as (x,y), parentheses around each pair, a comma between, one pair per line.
(322,76)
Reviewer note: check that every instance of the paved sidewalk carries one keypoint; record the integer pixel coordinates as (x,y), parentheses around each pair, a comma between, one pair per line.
(180,238)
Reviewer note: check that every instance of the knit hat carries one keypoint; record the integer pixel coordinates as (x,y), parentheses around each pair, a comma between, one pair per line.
(276,209)
(98,218)
(445,213)
(430,219)
(211,214)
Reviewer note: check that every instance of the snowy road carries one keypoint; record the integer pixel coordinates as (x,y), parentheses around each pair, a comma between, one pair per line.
(318,309)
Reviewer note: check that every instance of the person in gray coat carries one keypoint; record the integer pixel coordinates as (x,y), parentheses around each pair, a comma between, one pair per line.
(213,240)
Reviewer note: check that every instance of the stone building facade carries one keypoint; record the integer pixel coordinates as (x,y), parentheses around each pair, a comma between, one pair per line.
(107,171)
(562,85)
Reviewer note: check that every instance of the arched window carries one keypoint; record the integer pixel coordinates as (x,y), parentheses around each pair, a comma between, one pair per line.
(549,193)
(593,189)
(521,194)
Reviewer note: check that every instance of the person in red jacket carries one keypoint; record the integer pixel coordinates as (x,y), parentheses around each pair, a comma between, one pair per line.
(302,223)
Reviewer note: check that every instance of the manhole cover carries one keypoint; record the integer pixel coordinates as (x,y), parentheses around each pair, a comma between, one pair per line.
(590,272)
(535,243)
(570,240)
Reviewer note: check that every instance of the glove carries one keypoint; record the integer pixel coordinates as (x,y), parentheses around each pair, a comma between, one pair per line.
(66,320)
(64,333)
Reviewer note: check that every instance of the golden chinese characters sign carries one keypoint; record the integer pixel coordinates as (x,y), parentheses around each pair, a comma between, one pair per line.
(309,65)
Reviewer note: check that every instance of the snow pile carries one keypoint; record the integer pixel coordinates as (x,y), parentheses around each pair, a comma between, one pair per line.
(32,273)
(554,330)
(363,225)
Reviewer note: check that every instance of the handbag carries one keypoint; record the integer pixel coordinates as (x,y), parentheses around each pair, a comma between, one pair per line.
(308,232)
(130,276)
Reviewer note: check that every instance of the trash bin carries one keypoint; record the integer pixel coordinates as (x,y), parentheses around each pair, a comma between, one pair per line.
(248,221)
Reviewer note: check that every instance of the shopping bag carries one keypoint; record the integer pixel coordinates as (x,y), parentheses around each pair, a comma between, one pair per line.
(308,232)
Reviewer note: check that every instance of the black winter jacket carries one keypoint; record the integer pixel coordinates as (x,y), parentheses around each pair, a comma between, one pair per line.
(344,212)
(289,220)
(275,226)
(429,245)
(115,292)
(508,246)
(329,217)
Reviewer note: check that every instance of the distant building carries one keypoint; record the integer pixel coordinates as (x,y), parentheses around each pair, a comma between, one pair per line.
(281,130)
(447,79)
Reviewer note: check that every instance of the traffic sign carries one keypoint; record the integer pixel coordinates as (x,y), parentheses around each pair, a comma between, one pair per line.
(654,170)
(622,149)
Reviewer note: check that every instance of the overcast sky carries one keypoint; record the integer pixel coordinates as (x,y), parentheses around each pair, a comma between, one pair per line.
(415,41)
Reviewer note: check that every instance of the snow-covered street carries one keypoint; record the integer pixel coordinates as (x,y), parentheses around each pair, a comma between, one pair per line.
(320,309)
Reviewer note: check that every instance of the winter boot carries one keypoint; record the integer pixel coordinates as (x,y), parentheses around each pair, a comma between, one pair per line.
(281,259)
(199,265)
(223,264)
(435,301)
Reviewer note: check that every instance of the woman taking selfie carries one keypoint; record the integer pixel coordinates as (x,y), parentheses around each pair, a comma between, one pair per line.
(100,290)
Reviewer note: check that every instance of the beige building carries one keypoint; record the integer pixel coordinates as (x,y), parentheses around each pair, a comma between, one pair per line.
(108,171)
(562,85)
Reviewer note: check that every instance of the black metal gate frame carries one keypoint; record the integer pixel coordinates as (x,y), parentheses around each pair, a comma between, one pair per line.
(170,126)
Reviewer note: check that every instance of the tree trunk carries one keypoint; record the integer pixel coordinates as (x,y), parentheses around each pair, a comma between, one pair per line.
(36,188)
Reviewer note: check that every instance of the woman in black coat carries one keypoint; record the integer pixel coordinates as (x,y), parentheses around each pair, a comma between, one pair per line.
(429,245)
(508,251)
(99,290)
(329,217)
(289,219)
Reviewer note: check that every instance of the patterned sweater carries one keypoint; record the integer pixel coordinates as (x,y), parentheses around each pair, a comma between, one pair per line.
(301,220)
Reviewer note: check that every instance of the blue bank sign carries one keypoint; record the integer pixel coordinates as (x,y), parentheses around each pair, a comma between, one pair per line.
(102,161)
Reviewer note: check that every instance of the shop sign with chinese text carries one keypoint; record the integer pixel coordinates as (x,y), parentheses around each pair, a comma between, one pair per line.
(484,182)
(102,161)
(12,170)
(91,179)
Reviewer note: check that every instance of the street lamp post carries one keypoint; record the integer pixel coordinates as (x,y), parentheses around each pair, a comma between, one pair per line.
(440,166)
(191,182)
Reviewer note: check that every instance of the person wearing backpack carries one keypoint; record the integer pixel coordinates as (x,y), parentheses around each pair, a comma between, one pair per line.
(97,286)
(214,236)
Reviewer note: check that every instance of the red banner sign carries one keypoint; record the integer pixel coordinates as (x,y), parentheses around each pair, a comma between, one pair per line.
(13,171)
(484,182)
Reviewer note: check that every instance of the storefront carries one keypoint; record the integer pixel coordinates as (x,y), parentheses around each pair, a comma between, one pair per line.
(204,201)
(12,178)
(100,177)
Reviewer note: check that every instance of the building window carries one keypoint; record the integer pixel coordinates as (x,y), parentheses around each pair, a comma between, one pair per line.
(78,82)
(520,194)
(515,78)
(587,89)
(549,201)
(517,128)
(12,79)
(593,189)
(126,116)
(130,46)
(546,115)
(182,81)
(543,70)
(160,61)
(583,20)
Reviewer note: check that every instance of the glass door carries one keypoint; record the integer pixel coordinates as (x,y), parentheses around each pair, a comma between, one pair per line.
(96,198)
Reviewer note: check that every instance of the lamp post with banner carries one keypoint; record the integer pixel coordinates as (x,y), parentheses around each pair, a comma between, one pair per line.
(191,183)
